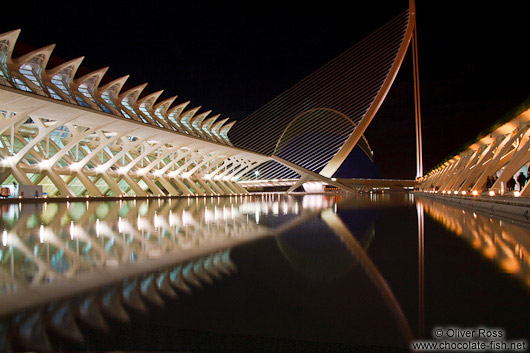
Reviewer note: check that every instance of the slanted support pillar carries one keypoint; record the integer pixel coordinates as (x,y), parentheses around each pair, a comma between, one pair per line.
(152,185)
(238,188)
(20,176)
(182,186)
(226,190)
(134,185)
(206,187)
(229,186)
(299,183)
(167,185)
(196,189)
(114,186)
(61,185)
(89,185)
(216,187)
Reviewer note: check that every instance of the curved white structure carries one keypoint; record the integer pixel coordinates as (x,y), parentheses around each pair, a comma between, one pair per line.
(76,137)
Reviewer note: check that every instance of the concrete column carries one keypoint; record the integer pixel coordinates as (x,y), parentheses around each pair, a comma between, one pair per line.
(198,191)
(167,185)
(216,188)
(63,188)
(89,185)
(182,186)
(114,186)
(206,187)
(136,188)
(152,185)
(225,187)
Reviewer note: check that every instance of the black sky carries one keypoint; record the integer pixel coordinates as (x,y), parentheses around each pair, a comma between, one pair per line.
(234,57)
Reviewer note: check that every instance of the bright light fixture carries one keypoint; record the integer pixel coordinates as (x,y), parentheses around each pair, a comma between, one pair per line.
(46,163)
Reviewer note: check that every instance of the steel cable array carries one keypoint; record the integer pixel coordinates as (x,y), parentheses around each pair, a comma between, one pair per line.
(328,103)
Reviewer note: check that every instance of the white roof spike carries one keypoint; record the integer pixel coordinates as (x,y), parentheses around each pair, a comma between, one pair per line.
(192,111)
(215,130)
(75,63)
(13,35)
(207,124)
(166,103)
(188,114)
(211,119)
(179,107)
(46,51)
(11,38)
(98,73)
(227,127)
(197,120)
(117,82)
(201,116)
(136,90)
(153,96)
(217,125)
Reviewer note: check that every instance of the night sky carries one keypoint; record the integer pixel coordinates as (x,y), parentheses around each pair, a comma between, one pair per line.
(233,58)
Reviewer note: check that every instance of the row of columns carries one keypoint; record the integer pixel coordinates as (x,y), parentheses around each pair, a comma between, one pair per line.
(501,154)
(190,170)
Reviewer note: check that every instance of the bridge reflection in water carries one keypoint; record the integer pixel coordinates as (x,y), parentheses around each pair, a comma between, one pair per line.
(66,267)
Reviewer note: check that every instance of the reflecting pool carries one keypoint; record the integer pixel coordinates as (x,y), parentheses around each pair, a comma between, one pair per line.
(270,272)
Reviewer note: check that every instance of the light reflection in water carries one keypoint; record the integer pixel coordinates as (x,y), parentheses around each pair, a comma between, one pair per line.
(60,241)
(43,243)
(504,243)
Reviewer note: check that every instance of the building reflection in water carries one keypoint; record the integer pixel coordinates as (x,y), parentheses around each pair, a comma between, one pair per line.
(43,243)
(108,258)
(504,243)
(155,247)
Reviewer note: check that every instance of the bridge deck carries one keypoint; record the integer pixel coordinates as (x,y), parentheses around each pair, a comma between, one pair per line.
(353,183)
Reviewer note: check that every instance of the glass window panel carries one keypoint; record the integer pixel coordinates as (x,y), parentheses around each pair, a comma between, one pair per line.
(53,94)
(32,73)
(21,85)
(80,101)
(60,83)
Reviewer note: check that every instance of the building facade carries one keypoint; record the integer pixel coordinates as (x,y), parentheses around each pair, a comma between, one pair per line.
(497,164)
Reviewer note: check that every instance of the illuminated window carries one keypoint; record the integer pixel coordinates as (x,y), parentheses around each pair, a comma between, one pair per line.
(143,109)
(125,102)
(4,51)
(32,73)
(80,101)
(85,91)
(60,82)
(53,94)
(21,85)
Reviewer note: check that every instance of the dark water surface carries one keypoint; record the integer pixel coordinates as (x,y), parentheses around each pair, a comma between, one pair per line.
(368,272)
